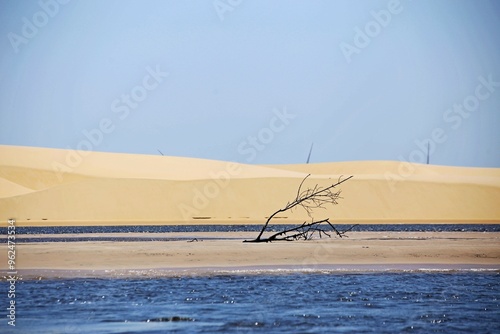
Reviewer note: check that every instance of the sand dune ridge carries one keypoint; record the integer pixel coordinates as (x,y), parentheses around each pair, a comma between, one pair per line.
(118,188)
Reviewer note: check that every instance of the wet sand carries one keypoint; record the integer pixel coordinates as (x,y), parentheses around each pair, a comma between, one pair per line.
(194,253)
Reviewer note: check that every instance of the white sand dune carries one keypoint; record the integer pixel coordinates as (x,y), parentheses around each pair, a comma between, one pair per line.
(40,186)
(9,189)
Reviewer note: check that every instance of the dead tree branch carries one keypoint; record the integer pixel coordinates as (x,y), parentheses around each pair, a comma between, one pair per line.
(308,199)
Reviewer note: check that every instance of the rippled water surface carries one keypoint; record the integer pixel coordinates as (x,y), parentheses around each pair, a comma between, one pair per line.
(102,233)
(255,228)
(263,303)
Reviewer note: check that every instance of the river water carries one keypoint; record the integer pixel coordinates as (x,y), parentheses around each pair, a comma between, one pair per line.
(313,302)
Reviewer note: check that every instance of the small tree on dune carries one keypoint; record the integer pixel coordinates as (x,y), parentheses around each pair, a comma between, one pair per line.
(309,200)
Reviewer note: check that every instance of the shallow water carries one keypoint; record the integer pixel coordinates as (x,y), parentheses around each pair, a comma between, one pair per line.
(247,228)
(100,233)
(263,303)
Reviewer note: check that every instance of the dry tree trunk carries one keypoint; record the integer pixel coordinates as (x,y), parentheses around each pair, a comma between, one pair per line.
(309,199)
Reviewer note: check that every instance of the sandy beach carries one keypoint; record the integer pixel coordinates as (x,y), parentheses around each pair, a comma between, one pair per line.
(215,252)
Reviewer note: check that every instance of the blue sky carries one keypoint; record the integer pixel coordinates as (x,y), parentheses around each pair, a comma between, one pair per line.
(255,81)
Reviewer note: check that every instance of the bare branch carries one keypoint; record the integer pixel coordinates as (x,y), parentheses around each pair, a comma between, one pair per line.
(309,200)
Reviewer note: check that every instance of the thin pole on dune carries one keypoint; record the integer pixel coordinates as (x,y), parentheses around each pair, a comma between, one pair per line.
(428,152)
(310,151)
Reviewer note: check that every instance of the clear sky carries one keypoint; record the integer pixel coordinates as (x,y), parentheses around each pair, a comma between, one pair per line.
(255,81)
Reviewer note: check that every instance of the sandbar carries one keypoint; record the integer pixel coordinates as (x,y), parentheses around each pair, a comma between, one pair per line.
(209,252)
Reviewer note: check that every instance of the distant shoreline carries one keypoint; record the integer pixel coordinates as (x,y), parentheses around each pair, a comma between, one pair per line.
(36,274)
(257,222)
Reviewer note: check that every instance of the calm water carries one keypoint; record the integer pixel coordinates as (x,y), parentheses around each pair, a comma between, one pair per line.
(265,303)
(101,231)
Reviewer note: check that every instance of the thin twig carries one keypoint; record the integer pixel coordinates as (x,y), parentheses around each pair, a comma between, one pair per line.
(309,199)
